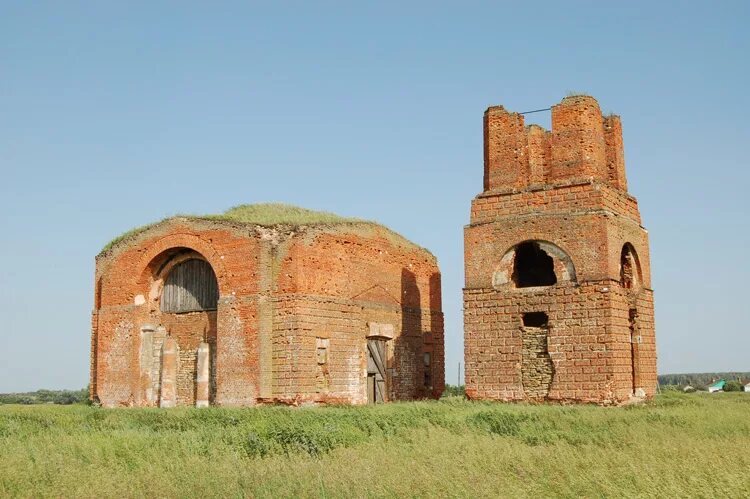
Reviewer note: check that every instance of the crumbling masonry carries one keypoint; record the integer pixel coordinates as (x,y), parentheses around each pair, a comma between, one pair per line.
(558,302)
(203,312)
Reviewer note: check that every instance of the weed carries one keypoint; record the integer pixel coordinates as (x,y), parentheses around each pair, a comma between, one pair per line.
(678,445)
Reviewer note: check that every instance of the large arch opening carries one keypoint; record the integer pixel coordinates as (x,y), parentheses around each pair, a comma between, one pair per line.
(534,263)
(178,344)
(532,266)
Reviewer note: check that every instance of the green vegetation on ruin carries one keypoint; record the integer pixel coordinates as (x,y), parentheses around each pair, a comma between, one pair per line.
(576,93)
(269,214)
(263,214)
(679,445)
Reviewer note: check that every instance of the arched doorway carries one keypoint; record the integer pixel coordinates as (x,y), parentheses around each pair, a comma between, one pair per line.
(184,299)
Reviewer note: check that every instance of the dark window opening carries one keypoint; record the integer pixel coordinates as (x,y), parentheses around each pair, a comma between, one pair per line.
(533,267)
(322,350)
(627,268)
(428,370)
(190,287)
(535,319)
(322,375)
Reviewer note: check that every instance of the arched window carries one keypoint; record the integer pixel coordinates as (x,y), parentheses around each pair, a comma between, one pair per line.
(533,266)
(534,263)
(190,287)
(628,267)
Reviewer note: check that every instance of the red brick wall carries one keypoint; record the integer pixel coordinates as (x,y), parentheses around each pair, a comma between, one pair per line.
(125,302)
(505,152)
(554,197)
(589,342)
(339,283)
(190,329)
(644,348)
(582,145)
(279,292)
(566,187)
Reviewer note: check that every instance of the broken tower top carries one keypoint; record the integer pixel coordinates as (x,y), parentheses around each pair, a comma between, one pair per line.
(582,145)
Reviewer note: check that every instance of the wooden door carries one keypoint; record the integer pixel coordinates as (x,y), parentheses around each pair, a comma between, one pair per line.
(376,377)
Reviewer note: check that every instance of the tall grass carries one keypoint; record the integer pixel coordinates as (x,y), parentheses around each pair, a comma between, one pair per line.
(678,445)
(280,214)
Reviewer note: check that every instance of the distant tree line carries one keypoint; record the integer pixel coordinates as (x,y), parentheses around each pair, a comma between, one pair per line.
(701,380)
(61,397)
(698,381)
(454,391)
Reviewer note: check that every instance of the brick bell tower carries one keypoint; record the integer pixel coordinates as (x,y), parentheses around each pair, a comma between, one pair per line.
(558,302)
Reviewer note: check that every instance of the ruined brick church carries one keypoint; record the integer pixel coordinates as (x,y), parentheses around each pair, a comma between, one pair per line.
(248,307)
(557,300)
(257,306)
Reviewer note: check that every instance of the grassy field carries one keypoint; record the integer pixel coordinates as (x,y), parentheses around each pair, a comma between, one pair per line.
(680,445)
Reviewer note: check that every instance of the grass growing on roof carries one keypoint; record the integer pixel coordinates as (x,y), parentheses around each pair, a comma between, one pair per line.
(126,235)
(576,93)
(280,214)
(266,214)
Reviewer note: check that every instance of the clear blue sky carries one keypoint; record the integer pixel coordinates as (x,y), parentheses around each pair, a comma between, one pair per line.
(115,115)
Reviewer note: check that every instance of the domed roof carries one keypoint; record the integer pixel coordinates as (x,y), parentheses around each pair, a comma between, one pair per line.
(277,215)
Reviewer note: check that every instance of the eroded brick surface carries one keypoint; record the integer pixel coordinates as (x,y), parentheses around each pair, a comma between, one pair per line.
(565,192)
(537,369)
(283,293)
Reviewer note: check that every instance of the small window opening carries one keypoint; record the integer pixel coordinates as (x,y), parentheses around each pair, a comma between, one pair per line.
(428,370)
(322,352)
(322,375)
(627,268)
(535,319)
(533,266)
(322,356)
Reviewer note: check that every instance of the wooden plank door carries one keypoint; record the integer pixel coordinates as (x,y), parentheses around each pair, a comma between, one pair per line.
(376,377)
